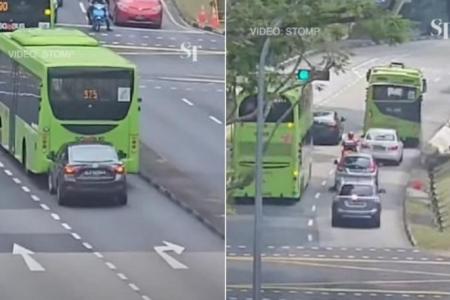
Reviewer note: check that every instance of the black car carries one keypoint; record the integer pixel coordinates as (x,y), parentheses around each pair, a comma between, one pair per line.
(87,168)
(327,128)
(357,200)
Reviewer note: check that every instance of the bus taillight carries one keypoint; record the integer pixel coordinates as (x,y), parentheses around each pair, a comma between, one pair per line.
(134,142)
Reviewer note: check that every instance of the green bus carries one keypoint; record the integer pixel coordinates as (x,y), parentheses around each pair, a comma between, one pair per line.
(59,86)
(17,14)
(287,161)
(394,100)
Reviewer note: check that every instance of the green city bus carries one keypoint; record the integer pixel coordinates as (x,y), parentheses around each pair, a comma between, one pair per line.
(17,14)
(394,100)
(60,85)
(287,162)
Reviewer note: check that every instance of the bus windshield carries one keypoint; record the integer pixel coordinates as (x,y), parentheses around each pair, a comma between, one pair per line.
(90,93)
(16,14)
(278,108)
(393,93)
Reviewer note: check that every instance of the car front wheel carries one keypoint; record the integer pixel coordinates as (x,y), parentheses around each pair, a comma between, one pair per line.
(376,220)
(123,198)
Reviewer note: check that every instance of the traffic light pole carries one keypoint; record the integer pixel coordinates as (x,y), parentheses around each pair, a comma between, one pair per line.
(259,168)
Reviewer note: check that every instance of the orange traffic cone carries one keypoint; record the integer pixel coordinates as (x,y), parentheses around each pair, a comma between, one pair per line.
(201,19)
(214,21)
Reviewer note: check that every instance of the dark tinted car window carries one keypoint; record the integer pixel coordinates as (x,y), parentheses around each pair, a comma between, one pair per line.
(356,162)
(92,153)
(278,108)
(359,190)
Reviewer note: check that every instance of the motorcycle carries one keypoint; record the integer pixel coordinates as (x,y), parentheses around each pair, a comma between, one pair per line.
(98,16)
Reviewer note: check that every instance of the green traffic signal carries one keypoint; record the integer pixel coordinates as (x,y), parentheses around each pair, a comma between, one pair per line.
(304,75)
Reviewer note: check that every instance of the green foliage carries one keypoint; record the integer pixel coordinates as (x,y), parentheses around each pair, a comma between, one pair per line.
(332,19)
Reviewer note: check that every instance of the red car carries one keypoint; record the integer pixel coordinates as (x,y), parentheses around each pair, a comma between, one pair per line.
(137,12)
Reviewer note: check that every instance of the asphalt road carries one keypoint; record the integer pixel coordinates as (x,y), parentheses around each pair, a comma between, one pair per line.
(305,258)
(100,251)
(183,112)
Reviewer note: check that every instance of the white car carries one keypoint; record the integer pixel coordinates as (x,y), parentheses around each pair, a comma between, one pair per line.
(383,144)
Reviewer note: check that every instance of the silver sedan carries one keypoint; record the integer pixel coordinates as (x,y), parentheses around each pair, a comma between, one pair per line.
(383,144)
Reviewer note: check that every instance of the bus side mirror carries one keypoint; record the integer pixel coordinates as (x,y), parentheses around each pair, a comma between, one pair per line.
(343,119)
(424,84)
(139,100)
(51,156)
(121,155)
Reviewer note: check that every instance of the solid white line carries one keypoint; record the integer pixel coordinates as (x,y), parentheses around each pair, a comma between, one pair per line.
(192,79)
(17,180)
(314,208)
(167,11)
(98,254)
(87,245)
(25,189)
(76,236)
(187,101)
(8,172)
(310,222)
(133,287)
(122,276)
(35,198)
(55,216)
(110,265)
(215,120)
(83,9)
(45,207)
(310,237)
(317,195)
(66,226)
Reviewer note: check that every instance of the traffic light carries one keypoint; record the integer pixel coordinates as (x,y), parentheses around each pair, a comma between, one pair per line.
(312,75)
(304,75)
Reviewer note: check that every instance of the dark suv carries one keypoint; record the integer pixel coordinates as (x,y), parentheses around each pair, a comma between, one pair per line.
(87,168)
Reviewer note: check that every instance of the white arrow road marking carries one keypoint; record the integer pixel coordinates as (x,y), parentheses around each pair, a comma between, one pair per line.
(31,263)
(175,264)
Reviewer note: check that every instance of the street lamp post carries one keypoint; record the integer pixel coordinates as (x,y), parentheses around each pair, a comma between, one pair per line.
(259,168)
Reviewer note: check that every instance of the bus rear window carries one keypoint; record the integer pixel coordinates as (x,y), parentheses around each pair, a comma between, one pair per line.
(16,14)
(278,108)
(392,93)
(90,93)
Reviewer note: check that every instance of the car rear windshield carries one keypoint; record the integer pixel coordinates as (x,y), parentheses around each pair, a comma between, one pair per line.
(92,153)
(381,137)
(359,190)
(356,162)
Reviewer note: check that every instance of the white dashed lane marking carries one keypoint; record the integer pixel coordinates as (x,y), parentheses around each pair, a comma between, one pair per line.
(215,120)
(8,172)
(44,207)
(187,101)
(17,180)
(76,236)
(35,198)
(55,216)
(66,226)
(317,195)
(25,189)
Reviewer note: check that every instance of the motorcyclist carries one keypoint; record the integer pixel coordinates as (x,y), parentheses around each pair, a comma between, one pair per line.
(350,143)
(91,9)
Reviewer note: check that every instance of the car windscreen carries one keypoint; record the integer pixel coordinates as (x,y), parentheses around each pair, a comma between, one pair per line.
(22,13)
(393,93)
(359,190)
(356,162)
(278,108)
(90,93)
(92,153)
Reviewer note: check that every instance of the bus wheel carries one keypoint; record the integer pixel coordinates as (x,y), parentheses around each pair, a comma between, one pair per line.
(24,158)
(51,186)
